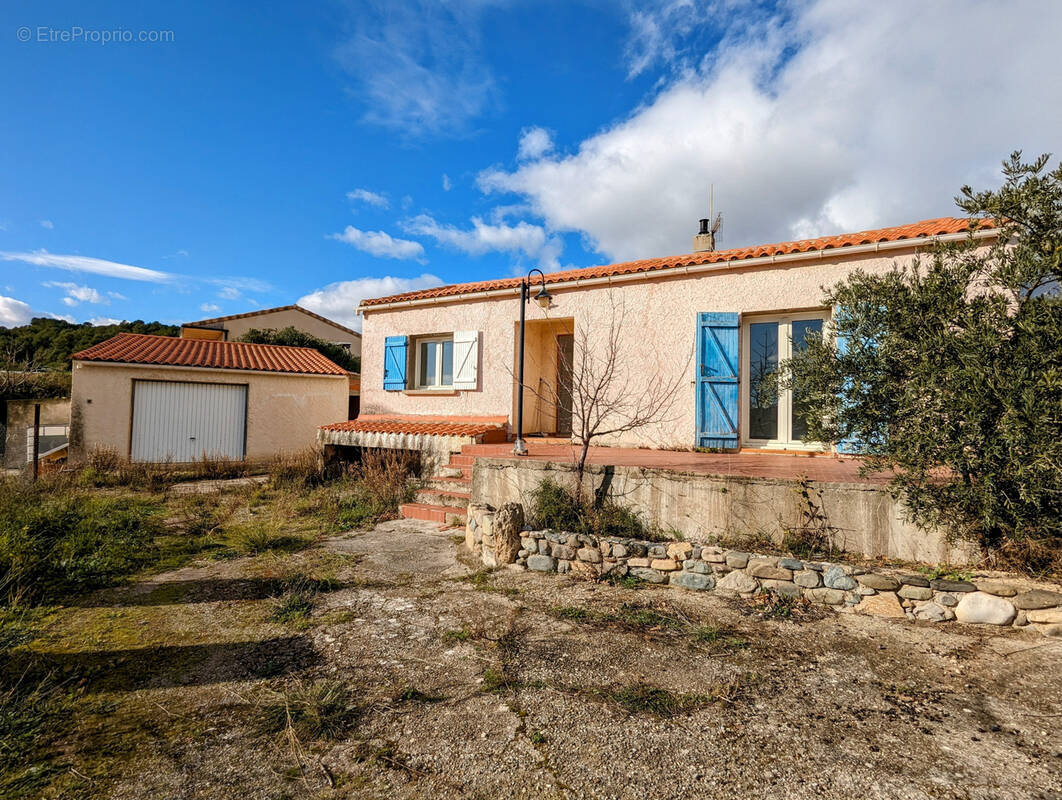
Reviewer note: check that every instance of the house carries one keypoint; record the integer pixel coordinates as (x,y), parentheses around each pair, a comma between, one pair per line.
(439,369)
(710,321)
(162,398)
(234,326)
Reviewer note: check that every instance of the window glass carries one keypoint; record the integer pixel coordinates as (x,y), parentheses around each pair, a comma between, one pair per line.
(448,362)
(763,360)
(801,329)
(427,363)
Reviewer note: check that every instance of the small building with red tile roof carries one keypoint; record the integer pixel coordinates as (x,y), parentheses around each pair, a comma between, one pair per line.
(162,398)
(710,323)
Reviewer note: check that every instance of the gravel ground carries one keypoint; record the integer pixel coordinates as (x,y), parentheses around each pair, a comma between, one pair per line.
(534,687)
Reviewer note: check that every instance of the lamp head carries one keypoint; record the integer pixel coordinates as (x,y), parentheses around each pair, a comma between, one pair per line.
(543,298)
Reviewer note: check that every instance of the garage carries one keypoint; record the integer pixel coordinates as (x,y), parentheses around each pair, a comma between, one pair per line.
(165,399)
(174,421)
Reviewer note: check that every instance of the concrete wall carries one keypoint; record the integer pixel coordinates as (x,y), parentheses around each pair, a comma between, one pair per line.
(54,411)
(659,329)
(864,518)
(283,410)
(289,318)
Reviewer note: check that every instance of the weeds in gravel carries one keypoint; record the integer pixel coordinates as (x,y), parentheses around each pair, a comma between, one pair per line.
(264,537)
(718,638)
(411,694)
(631,616)
(771,605)
(296,595)
(458,635)
(322,709)
(626,581)
(482,581)
(645,699)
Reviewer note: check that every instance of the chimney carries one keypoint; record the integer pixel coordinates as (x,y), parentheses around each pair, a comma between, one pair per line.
(704,241)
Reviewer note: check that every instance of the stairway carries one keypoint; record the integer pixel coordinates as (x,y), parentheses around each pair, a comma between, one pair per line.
(445,497)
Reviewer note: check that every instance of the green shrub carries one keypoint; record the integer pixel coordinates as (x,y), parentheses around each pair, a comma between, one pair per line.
(557,508)
(57,542)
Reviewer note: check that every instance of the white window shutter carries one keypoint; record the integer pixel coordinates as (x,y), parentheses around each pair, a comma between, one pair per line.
(466,359)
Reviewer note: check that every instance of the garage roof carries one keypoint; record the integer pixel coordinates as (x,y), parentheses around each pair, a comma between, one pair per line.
(142,348)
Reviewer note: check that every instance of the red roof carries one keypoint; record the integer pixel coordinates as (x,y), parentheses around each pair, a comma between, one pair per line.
(428,428)
(917,230)
(141,348)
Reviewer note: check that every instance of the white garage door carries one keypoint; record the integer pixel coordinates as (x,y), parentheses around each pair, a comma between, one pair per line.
(183,421)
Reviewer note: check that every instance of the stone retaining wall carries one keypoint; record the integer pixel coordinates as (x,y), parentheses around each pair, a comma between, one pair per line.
(1007,601)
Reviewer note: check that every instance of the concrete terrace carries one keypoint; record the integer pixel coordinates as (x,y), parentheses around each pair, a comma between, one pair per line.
(785,466)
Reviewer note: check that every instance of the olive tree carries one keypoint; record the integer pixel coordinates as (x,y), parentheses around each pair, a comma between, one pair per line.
(947,372)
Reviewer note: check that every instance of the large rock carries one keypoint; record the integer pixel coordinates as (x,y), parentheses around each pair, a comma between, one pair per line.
(679,551)
(737,582)
(508,526)
(541,563)
(932,612)
(880,583)
(648,575)
(783,589)
(825,595)
(736,559)
(942,585)
(807,578)
(996,587)
(985,609)
(835,578)
(882,605)
(1049,616)
(692,580)
(765,568)
(1038,598)
(908,592)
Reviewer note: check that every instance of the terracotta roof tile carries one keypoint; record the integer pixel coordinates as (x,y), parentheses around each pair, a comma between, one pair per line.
(141,348)
(428,428)
(929,227)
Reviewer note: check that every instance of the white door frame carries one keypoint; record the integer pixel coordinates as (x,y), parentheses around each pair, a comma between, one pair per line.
(785,399)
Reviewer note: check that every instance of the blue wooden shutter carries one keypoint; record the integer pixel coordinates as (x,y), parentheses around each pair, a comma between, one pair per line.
(395,360)
(717,379)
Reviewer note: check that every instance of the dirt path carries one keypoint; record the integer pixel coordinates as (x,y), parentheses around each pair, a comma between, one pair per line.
(510,684)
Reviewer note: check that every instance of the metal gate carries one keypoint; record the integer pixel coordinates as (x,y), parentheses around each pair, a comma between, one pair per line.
(183,422)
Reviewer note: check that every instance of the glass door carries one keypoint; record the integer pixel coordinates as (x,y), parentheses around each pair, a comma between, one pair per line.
(774,419)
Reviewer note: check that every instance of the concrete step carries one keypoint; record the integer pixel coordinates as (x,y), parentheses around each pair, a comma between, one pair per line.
(447,484)
(432,513)
(451,471)
(462,460)
(444,497)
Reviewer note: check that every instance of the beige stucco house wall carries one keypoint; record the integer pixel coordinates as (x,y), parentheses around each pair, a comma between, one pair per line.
(236,325)
(659,327)
(284,410)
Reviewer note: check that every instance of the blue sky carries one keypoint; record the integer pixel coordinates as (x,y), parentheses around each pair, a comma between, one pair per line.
(325,153)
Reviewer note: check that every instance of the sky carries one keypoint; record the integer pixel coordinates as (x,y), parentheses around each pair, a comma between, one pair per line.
(178,161)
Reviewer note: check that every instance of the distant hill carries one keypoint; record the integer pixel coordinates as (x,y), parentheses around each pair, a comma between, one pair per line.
(49,343)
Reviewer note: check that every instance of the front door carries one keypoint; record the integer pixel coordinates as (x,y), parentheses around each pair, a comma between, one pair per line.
(565,354)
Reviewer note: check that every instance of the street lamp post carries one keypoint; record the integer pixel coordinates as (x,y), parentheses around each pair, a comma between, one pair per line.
(543,299)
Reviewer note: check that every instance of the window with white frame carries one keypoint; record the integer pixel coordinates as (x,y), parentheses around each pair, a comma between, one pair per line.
(774,419)
(435,362)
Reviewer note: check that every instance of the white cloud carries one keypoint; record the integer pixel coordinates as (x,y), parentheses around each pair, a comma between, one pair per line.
(337,301)
(380,244)
(47,223)
(98,321)
(210,308)
(95,266)
(447,184)
(369,198)
(523,237)
(417,66)
(534,143)
(832,117)
(14,312)
(76,294)
(117,296)
(230,293)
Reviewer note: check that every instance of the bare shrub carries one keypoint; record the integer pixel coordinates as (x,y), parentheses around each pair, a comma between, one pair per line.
(301,469)
(386,478)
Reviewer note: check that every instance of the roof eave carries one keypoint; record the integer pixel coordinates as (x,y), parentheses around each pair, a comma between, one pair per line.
(688,269)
